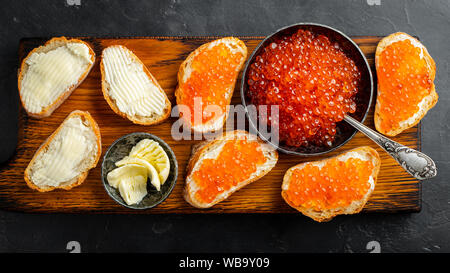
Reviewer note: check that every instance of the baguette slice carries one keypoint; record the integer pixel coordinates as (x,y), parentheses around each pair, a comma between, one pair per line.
(423,106)
(211,150)
(65,158)
(364,153)
(130,89)
(50,73)
(235,48)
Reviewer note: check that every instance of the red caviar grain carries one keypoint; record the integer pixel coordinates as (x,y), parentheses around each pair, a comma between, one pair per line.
(336,184)
(235,163)
(312,81)
(404,81)
(213,71)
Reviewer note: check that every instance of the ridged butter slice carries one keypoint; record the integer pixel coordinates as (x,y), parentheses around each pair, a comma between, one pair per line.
(131,180)
(151,171)
(133,189)
(115,176)
(129,86)
(152,152)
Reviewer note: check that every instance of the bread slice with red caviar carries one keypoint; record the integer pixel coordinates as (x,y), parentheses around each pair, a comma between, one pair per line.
(386,125)
(63,161)
(212,150)
(188,69)
(326,201)
(32,81)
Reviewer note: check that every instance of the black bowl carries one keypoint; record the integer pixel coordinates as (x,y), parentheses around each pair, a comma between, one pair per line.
(363,99)
(121,148)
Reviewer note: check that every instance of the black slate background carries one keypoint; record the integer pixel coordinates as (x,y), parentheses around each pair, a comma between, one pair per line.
(427,231)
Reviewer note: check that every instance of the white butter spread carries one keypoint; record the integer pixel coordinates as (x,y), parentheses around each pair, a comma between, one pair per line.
(361,156)
(130,87)
(50,74)
(66,154)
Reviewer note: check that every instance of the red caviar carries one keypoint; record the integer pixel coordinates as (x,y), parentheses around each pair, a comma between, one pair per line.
(214,70)
(312,81)
(335,185)
(404,80)
(235,163)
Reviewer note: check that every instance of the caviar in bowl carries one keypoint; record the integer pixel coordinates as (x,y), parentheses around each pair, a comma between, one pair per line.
(315,75)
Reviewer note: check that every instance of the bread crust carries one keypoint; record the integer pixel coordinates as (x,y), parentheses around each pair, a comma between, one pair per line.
(112,104)
(324,216)
(47,111)
(79,179)
(216,123)
(199,151)
(429,101)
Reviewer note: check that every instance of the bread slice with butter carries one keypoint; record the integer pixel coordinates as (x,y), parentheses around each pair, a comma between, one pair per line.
(63,161)
(50,73)
(130,89)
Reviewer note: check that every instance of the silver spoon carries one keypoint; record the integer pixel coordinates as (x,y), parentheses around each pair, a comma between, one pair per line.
(414,162)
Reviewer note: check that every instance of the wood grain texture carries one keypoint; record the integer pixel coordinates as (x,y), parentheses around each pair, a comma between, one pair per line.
(395,191)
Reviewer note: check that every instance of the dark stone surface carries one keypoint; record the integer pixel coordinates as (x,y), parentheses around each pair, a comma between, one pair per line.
(427,231)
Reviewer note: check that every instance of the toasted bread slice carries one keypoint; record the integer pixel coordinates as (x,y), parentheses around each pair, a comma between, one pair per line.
(212,150)
(130,89)
(209,73)
(65,158)
(387,125)
(328,194)
(50,73)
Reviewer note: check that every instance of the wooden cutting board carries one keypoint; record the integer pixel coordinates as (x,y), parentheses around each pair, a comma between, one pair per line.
(395,191)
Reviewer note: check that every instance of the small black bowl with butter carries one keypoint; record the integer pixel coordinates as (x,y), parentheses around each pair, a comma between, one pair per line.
(120,149)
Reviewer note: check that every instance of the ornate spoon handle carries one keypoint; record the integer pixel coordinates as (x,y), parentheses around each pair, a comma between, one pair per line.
(414,162)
